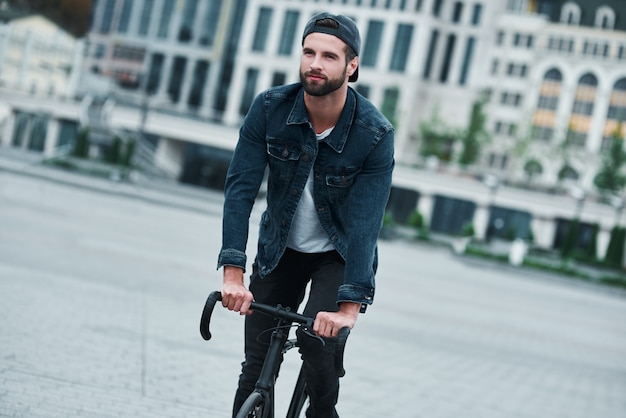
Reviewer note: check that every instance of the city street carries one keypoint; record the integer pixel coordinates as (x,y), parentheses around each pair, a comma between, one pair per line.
(102,286)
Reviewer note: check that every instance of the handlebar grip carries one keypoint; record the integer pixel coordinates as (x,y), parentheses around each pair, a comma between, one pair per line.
(342,338)
(205,320)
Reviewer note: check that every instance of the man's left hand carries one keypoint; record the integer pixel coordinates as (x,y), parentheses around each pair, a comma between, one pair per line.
(328,324)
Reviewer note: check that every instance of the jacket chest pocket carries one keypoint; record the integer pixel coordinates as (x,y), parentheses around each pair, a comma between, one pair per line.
(339,180)
(283,156)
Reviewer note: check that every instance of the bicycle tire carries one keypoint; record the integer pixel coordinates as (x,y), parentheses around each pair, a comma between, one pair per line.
(299,397)
(253,407)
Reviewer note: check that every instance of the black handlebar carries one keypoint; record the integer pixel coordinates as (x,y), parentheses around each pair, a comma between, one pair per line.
(277,312)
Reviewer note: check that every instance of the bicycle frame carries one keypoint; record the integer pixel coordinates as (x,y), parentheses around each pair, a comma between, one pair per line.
(263,395)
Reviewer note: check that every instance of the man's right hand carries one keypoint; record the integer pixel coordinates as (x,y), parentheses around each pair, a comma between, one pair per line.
(235,296)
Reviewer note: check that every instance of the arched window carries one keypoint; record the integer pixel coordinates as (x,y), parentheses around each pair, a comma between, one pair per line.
(605,18)
(570,13)
(616,114)
(568,173)
(553,74)
(588,80)
(582,110)
(545,115)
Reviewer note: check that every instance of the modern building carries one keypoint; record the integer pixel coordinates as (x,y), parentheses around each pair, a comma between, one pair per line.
(552,72)
(550,76)
(38,57)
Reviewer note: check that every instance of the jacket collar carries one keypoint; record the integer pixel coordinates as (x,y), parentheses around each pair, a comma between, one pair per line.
(338,137)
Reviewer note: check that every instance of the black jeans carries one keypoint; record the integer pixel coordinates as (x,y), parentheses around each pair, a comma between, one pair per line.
(286,285)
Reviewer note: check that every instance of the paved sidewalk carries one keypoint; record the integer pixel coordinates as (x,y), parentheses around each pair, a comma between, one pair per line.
(103,284)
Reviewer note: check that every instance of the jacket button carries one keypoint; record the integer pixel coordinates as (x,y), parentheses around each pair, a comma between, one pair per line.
(305,157)
(294,192)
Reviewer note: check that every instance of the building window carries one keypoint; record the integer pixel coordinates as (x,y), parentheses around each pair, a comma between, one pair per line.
(166,16)
(127,8)
(146,17)
(372,43)
(457,12)
(511,99)
(100,51)
(544,118)
(390,103)
(437,7)
(196,92)
(570,13)
(430,57)
(447,58)
(176,78)
(582,109)
(605,18)
(476,14)
(107,16)
(516,70)
(262,30)
(467,60)
(616,114)
(500,37)
(401,47)
(249,91)
(279,78)
(185,33)
(516,6)
(495,64)
(289,32)
(154,73)
(548,102)
(210,23)
(561,44)
(523,40)
(596,48)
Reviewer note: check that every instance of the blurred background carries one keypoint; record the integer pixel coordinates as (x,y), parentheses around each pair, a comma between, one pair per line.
(508,114)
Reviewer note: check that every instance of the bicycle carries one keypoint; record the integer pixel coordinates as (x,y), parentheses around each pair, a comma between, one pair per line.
(260,403)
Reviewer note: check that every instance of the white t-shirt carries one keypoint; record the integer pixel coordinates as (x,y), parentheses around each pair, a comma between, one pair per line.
(306,234)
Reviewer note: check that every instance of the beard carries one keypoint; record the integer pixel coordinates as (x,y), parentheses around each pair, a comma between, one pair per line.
(321,88)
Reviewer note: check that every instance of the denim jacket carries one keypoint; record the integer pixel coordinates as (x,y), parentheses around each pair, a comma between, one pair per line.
(352,171)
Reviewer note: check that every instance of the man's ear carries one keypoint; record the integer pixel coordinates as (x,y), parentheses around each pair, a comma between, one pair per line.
(352,66)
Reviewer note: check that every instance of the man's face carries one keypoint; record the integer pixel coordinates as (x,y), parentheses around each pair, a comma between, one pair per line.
(323,67)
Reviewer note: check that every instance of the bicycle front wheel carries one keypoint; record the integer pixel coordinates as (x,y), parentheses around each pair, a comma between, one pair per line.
(253,407)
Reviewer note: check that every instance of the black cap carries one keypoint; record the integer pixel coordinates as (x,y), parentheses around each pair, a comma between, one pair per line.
(346,31)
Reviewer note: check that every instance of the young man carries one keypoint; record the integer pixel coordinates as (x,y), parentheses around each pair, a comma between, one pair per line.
(330,158)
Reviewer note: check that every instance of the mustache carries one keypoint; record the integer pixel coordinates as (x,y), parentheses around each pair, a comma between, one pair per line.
(314,73)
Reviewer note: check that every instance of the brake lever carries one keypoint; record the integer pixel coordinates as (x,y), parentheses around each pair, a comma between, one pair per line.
(307,331)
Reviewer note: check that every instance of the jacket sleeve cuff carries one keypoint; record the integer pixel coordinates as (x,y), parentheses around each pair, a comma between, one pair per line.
(232,257)
(351,293)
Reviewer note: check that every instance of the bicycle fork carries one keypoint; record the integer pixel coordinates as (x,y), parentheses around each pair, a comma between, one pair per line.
(267,378)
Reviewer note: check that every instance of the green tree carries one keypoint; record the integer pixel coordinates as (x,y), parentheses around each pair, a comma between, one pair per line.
(126,159)
(614,256)
(81,145)
(113,155)
(438,138)
(475,135)
(532,168)
(610,176)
